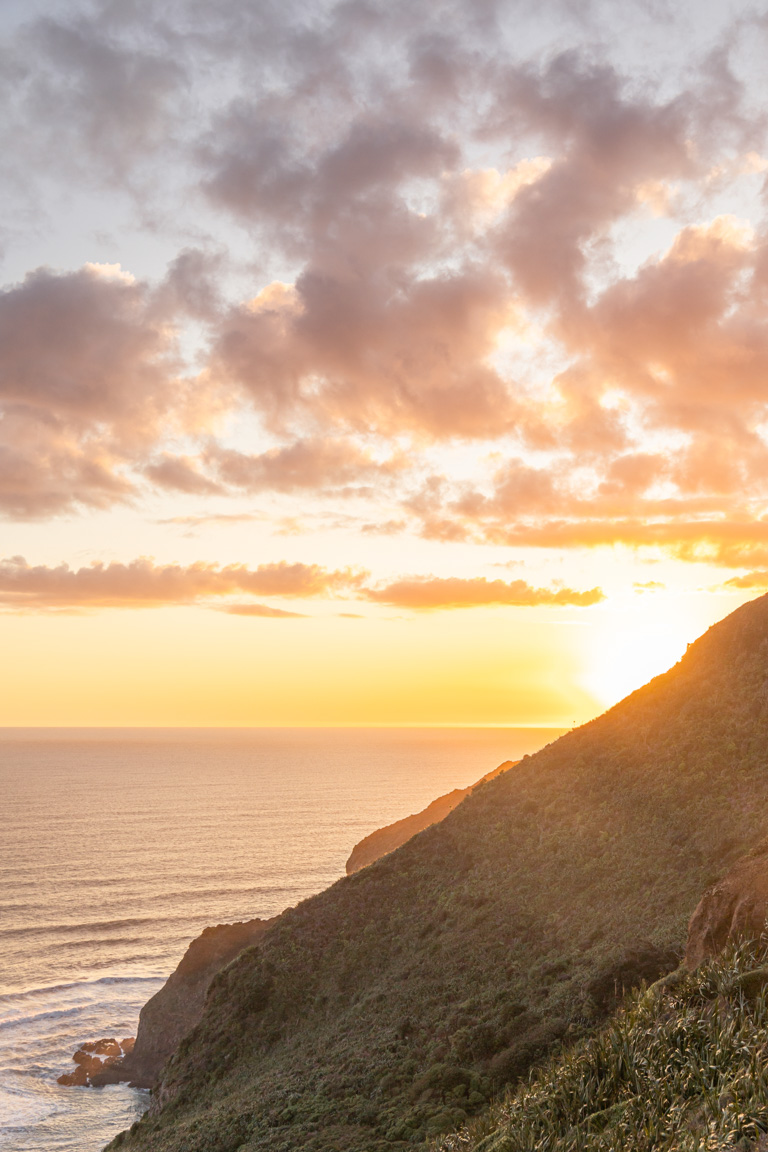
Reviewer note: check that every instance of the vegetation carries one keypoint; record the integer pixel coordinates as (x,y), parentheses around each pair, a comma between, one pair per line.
(681,1069)
(397,1004)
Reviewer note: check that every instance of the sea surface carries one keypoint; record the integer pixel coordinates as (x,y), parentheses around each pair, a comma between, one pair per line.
(118,846)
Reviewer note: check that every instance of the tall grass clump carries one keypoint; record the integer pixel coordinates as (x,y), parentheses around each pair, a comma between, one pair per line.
(682,1068)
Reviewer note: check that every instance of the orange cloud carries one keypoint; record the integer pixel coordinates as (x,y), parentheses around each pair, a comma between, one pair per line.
(375,355)
(424,592)
(142,583)
(749,580)
(262,610)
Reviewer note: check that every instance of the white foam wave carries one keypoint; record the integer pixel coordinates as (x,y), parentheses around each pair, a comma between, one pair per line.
(21,1108)
(46,989)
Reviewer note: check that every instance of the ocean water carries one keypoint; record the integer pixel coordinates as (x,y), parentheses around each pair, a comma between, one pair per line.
(118,846)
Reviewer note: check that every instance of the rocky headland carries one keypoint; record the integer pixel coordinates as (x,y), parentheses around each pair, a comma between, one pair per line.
(174,1010)
(401,1002)
(392,836)
(178,1006)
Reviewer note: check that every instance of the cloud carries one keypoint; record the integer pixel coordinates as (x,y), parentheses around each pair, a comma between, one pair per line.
(211,518)
(437,243)
(90,377)
(142,583)
(318,465)
(750,580)
(262,610)
(390,353)
(426,592)
(610,145)
(181,474)
(91,96)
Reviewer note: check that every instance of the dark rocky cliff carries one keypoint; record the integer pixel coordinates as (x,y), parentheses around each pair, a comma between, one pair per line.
(178,1006)
(734,908)
(397,1003)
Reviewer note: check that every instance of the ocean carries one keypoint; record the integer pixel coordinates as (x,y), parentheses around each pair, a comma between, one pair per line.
(118,846)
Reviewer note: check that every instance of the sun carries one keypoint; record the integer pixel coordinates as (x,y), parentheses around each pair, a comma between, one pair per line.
(632,641)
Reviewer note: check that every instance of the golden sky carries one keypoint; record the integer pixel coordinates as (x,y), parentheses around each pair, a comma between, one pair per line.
(383,363)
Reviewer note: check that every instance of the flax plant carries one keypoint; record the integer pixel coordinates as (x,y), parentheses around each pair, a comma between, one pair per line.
(682,1068)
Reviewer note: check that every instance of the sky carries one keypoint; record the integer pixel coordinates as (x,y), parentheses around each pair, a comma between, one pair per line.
(378,361)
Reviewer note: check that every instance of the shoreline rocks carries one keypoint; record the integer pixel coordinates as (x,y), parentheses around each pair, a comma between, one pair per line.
(94,1060)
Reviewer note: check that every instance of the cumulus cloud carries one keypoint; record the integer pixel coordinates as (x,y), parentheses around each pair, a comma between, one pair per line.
(89,379)
(320,465)
(425,592)
(433,249)
(391,353)
(144,583)
(611,145)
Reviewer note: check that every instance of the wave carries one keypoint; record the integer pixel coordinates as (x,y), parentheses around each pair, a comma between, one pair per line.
(75,945)
(55,929)
(177,898)
(20,1108)
(92,926)
(27,993)
(56,1014)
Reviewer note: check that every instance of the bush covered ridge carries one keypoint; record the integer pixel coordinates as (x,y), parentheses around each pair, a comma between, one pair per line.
(395,1005)
(683,1068)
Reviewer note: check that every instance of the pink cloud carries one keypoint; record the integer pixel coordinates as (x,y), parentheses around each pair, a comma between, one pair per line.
(89,380)
(142,583)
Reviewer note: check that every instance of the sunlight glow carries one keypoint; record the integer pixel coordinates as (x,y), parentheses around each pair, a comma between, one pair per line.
(635,640)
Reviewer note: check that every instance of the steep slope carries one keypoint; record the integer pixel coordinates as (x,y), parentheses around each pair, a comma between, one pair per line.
(393,1005)
(386,839)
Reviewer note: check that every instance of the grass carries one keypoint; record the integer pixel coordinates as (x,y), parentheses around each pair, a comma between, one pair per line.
(683,1068)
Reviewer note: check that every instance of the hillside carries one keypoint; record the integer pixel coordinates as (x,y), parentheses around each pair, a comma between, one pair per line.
(394,1005)
(391,836)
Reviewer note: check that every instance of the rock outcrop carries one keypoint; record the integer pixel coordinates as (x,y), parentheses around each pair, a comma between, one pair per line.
(387,839)
(735,907)
(95,1058)
(178,1006)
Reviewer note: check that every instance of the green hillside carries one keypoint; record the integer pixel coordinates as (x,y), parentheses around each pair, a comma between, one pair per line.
(396,1004)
